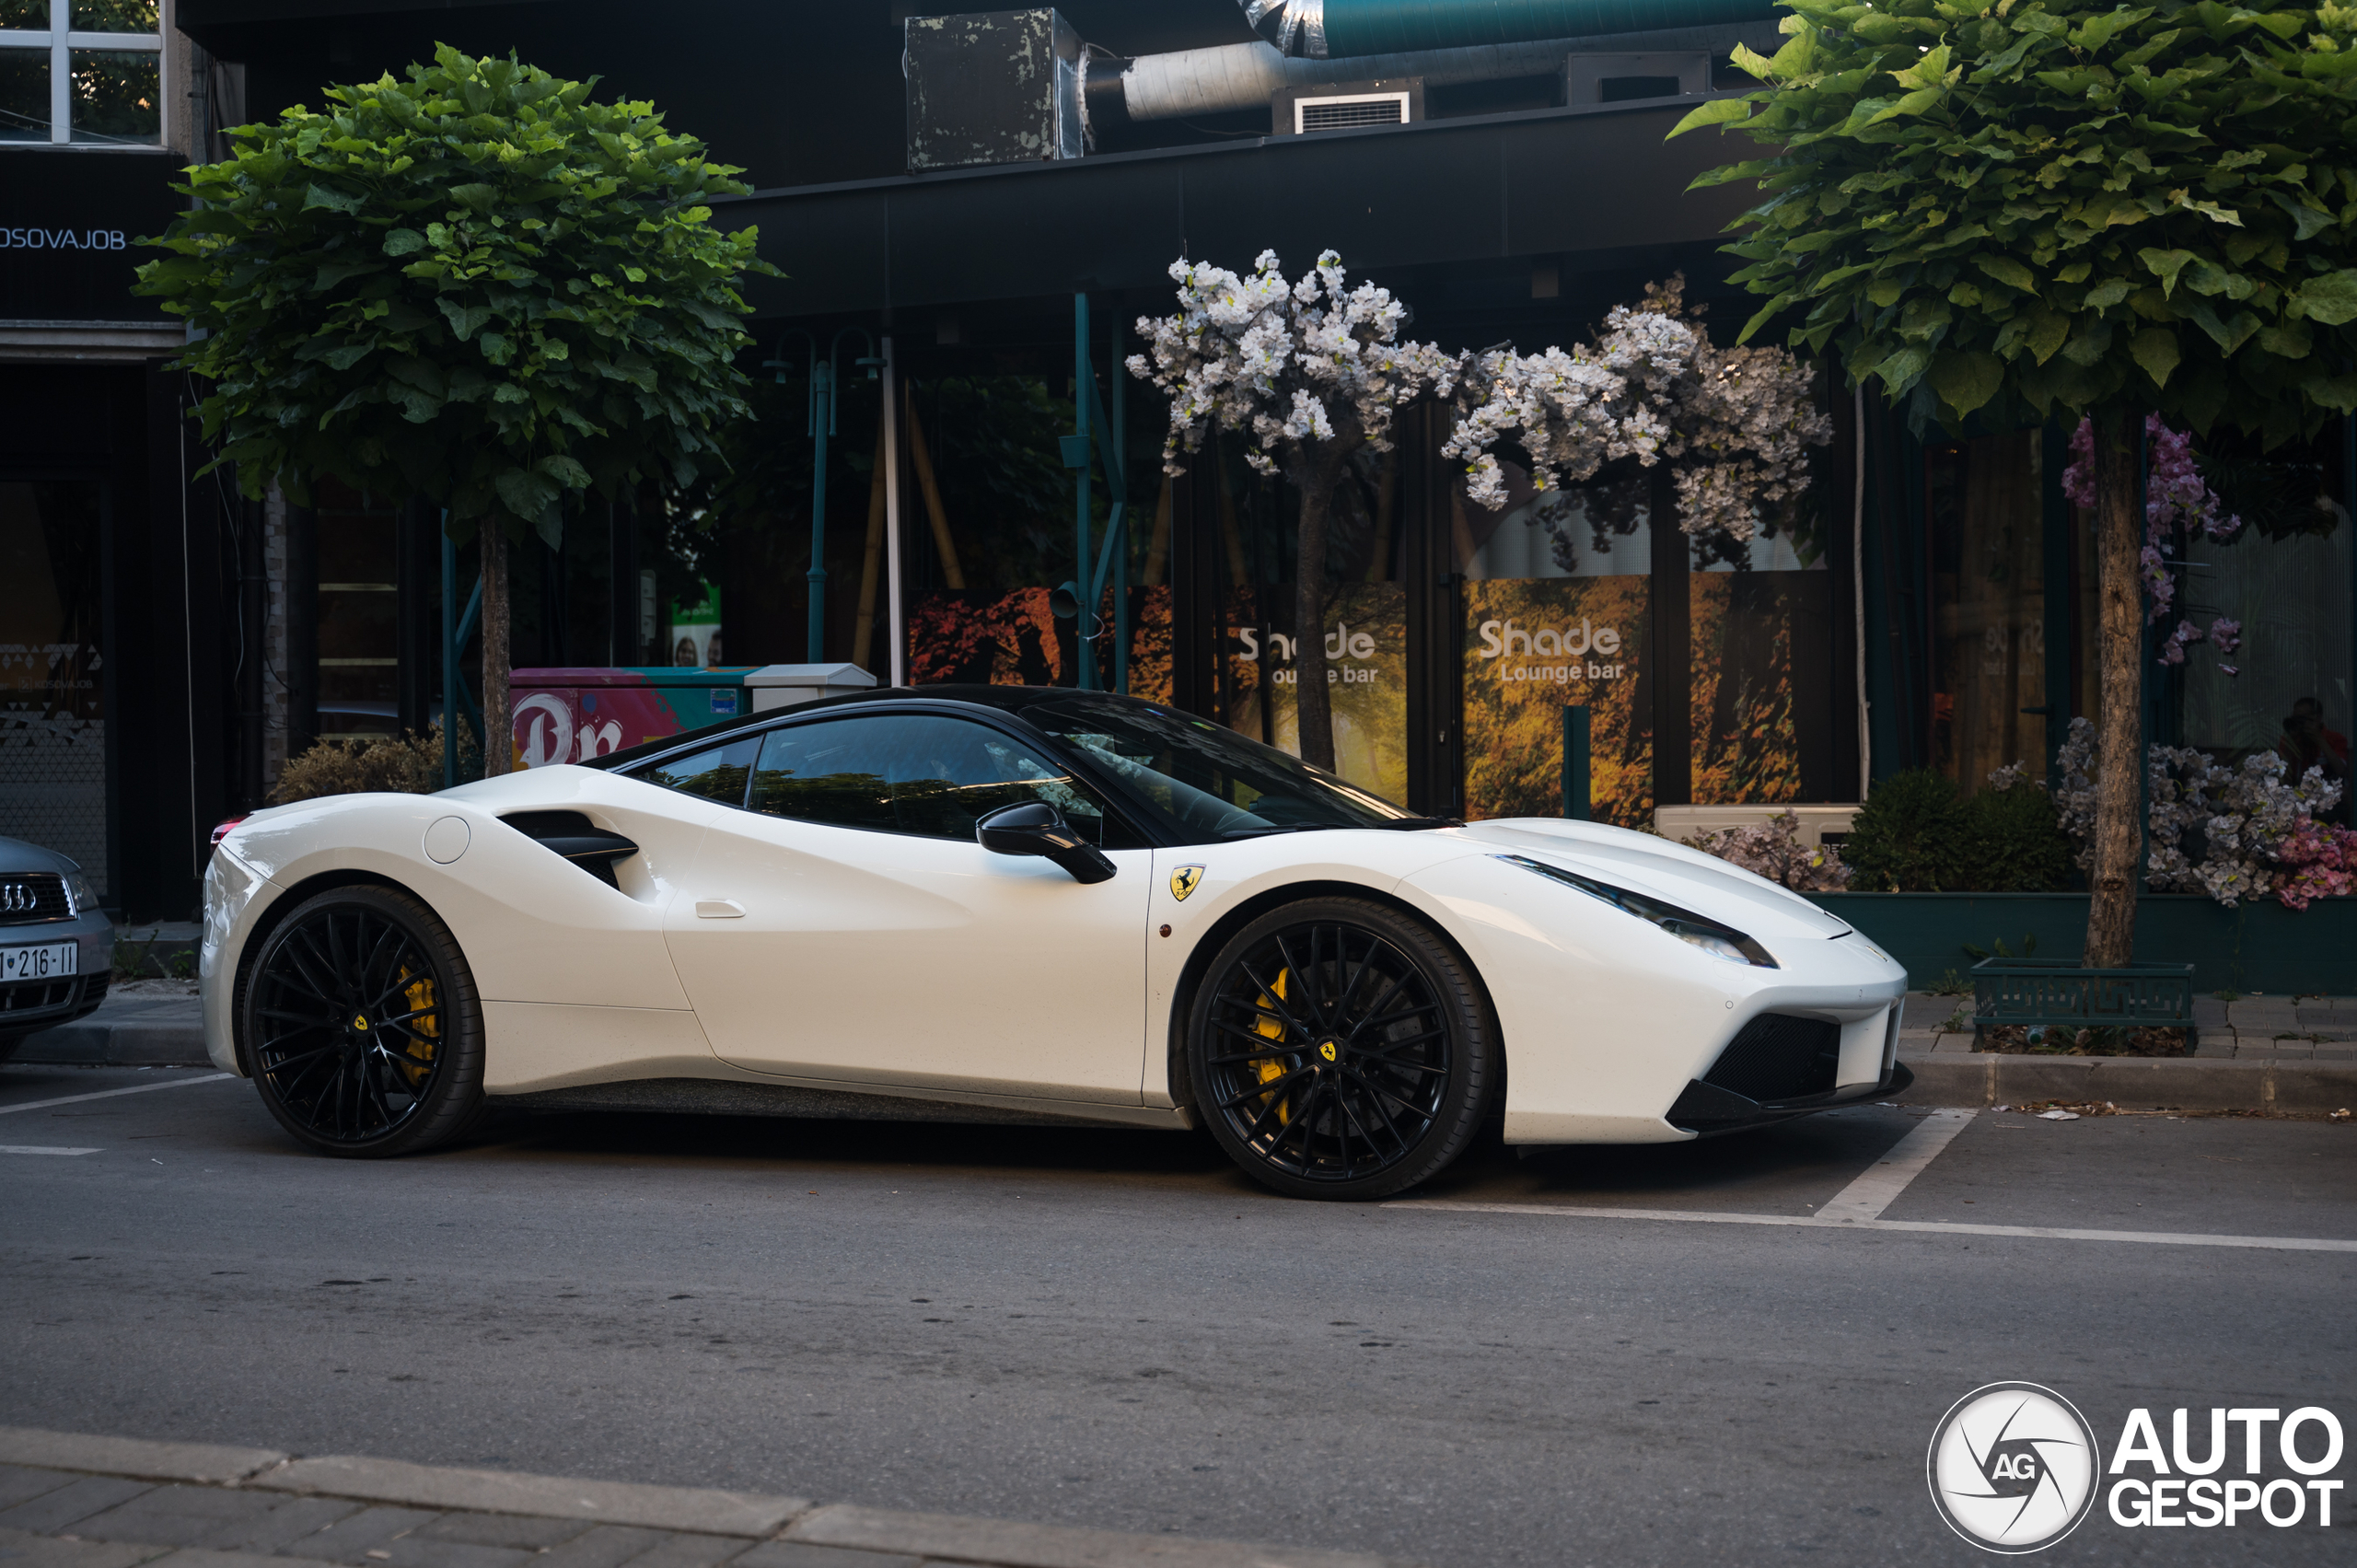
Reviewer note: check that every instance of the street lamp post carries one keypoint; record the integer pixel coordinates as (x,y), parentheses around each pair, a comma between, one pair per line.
(824,378)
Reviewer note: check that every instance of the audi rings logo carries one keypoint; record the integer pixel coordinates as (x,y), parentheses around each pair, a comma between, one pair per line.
(2012,1468)
(17,897)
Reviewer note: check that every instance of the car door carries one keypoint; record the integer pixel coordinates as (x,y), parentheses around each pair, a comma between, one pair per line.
(843,925)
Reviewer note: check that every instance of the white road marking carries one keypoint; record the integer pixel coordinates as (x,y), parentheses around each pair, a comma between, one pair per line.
(1933,1227)
(1867,1197)
(38,1149)
(109,1093)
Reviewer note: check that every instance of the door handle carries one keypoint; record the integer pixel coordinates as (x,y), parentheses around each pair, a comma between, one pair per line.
(719,909)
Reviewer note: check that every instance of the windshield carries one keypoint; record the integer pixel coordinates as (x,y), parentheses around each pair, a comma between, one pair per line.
(1205,781)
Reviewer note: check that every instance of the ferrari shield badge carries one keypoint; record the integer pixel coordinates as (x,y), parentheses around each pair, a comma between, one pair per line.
(1184,880)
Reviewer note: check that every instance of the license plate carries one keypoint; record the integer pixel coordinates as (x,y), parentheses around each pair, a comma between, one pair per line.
(45,962)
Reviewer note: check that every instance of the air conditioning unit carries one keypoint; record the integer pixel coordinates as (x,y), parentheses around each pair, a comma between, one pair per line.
(1347,105)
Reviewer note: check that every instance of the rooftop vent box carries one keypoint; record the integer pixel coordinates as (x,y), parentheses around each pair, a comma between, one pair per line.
(1617,78)
(1347,105)
(992,86)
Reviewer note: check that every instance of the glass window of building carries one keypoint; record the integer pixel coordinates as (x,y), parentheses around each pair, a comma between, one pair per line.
(81,71)
(359,608)
(1366,611)
(1557,605)
(2286,577)
(1985,528)
(1759,631)
(53,671)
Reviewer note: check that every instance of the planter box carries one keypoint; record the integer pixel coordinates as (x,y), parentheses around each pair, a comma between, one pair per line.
(2023,991)
(2254,948)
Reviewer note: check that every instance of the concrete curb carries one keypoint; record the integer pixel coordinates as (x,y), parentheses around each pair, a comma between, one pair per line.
(93,1044)
(844,1535)
(958,1540)
(205,1462)
(550,1497)
(2153,1082)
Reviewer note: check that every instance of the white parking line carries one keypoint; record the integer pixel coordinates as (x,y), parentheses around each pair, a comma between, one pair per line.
(38,1149)
(1933,1227)
(1867,1197)
(109,1093)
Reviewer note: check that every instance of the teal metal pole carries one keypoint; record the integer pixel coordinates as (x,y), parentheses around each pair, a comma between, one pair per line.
(1084,390)
(449,656)
(1120,541)
(1575,774)
(822,421)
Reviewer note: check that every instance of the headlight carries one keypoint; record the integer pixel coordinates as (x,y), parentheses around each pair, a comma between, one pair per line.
(1719,941)
(78,888)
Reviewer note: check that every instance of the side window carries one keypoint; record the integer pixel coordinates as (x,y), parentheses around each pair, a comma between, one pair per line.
(914,774)
(717,774)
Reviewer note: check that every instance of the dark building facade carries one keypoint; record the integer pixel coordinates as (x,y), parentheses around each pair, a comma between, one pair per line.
(1933,607)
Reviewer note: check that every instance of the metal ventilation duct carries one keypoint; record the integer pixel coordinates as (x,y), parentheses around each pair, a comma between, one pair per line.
(1338,30)
(1249,76)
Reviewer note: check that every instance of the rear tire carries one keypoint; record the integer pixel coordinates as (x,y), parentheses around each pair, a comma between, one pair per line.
(361,1026)
(1338,1049)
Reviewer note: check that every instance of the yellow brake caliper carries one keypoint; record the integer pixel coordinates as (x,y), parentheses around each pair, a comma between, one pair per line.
(1271,1028)
(427,1022)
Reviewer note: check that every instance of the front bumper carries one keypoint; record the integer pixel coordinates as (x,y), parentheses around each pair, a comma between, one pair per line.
(30,1005)
(1707,1111)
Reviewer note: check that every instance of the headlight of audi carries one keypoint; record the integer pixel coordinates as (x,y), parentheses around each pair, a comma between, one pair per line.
(1719,941)
(78,888)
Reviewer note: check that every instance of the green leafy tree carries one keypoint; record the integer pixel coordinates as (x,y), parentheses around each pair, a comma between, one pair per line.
(2067,206)
(477,286)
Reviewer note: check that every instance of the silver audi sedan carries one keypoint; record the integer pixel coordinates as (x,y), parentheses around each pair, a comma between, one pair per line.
(56,944)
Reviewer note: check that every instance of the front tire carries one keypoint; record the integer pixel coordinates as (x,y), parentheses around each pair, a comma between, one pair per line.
(1338,1049)
(361,1026)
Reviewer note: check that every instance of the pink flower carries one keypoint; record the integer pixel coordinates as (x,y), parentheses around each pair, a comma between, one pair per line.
(2321,861)
(2177,502)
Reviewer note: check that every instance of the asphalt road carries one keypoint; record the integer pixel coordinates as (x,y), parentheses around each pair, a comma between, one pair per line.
(1116,1329)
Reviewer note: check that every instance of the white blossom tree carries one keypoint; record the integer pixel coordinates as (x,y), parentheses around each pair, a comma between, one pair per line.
(1734,424)
(1312,372)
(1308,373)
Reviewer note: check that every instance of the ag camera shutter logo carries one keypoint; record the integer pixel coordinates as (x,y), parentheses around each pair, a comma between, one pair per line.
(2012,1468)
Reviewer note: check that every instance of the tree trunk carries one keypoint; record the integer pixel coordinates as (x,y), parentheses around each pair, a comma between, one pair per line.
(498,730)
(1313,704)
(2119,757)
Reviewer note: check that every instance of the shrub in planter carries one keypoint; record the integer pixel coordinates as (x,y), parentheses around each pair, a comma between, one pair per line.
(1773,850)
(1910,837)
(2013,839)
(409,764)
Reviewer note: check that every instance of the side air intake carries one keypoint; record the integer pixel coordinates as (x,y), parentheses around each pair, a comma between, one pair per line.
(573,836)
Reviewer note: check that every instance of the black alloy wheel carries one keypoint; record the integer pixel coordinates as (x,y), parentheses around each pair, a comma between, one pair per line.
(361,1026)
(1337,1048)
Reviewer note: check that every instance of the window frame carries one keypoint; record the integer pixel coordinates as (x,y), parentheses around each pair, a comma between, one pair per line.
(59,41)
(1107,791)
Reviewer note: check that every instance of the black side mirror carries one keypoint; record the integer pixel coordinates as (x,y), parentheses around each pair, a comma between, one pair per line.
(1033,827)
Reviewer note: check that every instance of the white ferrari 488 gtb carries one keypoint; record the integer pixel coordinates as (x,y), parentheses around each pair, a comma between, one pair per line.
(1021,905)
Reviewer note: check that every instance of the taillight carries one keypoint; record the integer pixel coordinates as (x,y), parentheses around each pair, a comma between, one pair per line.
(222,832)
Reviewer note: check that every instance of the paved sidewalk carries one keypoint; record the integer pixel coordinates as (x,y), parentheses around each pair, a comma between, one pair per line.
(2239,1064)
(146,1023)
(72,1501)
(2264,1029)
